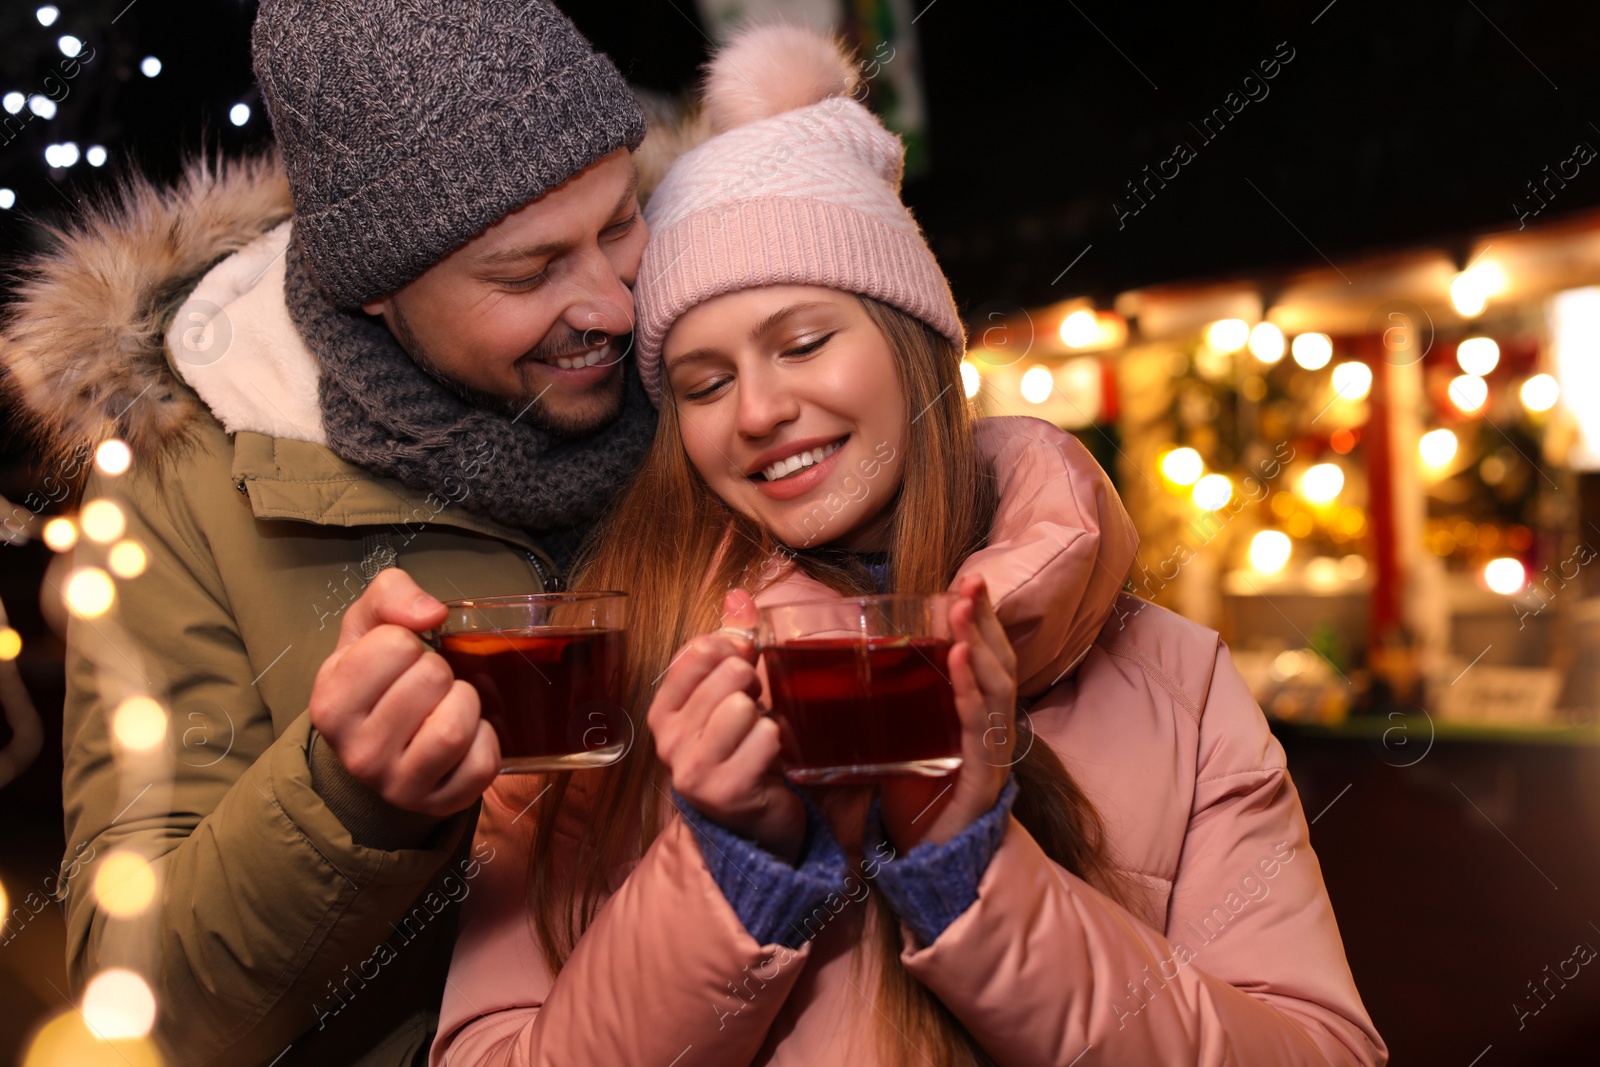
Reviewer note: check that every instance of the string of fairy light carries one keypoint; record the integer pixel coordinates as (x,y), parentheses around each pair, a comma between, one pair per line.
(62,156)
(113,1018)
(117,1011)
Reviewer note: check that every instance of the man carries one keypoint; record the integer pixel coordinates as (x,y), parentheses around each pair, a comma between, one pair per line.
(406,386)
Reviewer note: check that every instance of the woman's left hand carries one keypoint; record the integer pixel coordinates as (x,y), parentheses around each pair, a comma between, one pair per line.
(983,672)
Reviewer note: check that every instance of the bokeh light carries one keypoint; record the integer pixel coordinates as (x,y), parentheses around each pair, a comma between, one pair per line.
(1213,492)
(971,380)
(118,1003)
(67,1041)
(1471,289)
(60,534)
(113,456)
(1438,448)
(1037,385)
(1269,551)
(1505,575)
(1266,342)
(102,521)
(1540,392)
(127,559)
(1228,335)
(1322,483)
(1469,393)
(139,723)
(1312,350)
(1352,380)
(90,592)
(1079,328)
(1478,355)
(124,884)
(1182,466)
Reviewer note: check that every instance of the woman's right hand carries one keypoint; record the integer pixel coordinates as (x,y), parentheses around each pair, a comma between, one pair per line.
(719,747)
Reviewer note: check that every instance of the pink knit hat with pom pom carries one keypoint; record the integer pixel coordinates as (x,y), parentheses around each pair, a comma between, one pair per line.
(799,185)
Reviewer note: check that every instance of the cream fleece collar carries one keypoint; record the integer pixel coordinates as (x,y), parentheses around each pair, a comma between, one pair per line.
(233,342)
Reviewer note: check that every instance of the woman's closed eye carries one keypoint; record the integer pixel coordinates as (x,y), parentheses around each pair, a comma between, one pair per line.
(705,391)
(809,347)
(802,350)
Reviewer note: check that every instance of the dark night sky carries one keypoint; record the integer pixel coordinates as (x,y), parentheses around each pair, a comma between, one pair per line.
(1392,125)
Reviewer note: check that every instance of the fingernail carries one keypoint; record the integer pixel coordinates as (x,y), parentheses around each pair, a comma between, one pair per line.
(424,604)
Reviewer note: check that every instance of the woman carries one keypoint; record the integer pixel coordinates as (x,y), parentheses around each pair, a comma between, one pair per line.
(1122,877)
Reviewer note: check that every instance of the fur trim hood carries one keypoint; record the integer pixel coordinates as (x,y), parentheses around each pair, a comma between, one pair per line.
(82,344)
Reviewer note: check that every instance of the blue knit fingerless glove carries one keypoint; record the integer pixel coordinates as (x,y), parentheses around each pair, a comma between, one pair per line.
(930,886)
(769,896)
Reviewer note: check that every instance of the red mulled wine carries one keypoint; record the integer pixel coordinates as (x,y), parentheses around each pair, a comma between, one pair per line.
(553,695)
(857,709)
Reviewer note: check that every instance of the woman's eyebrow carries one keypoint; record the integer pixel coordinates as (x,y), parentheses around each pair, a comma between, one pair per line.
(777,316)
(694,356)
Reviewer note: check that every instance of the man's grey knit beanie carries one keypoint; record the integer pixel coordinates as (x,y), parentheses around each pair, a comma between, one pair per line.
(407,127)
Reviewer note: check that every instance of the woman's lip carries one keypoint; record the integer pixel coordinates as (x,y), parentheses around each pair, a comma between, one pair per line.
(802,482)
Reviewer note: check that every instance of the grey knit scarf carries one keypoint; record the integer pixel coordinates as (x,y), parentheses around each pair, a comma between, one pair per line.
(386,415)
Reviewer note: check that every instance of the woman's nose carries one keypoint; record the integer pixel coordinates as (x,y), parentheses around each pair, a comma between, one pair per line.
(765,402)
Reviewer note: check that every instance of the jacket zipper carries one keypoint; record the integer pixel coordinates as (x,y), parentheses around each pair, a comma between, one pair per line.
(549,577)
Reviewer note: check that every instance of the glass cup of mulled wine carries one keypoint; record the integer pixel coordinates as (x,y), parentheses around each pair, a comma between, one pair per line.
(549,671)
(860,687)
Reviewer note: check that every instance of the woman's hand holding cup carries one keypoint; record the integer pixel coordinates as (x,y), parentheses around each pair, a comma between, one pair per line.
(983,673)
(719,747)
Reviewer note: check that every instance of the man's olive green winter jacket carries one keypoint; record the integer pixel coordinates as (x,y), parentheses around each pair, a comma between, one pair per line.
(291,924)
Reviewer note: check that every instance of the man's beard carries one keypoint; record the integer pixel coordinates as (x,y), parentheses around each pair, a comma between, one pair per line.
(597,410)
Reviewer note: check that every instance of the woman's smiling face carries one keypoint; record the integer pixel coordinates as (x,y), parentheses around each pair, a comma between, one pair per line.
(791,408)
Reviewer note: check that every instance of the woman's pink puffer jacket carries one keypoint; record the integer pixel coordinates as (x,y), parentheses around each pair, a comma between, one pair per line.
(1228,955)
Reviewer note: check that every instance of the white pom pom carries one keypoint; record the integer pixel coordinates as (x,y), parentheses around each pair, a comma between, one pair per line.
(767,70)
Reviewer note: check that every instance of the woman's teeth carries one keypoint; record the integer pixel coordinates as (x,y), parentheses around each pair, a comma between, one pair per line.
(785,467)
(588,359)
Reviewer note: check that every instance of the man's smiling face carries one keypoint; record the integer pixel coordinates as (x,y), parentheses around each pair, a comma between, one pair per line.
(528,317)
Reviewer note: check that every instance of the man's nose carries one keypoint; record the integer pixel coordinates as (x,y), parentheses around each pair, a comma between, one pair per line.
(601,301)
